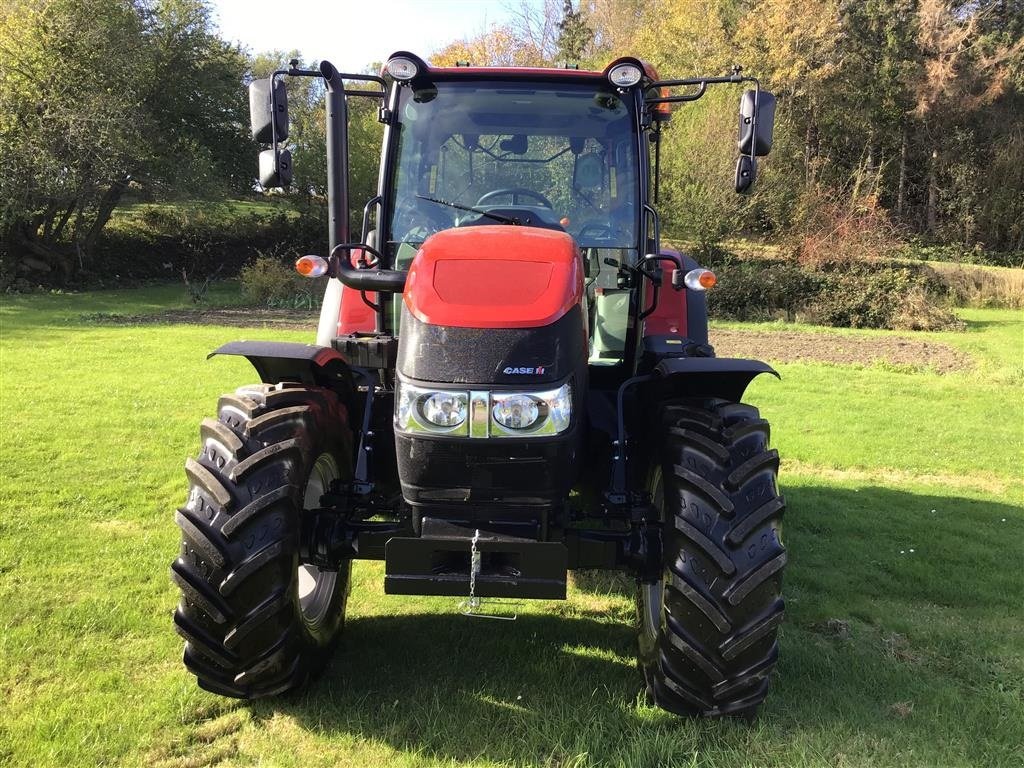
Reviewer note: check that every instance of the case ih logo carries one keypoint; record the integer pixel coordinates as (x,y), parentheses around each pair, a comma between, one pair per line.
(538,371)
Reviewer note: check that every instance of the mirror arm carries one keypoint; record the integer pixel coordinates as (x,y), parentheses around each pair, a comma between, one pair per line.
(702,84)
(380,280)
(376,200)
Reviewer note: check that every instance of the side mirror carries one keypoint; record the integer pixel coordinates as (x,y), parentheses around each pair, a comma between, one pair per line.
(746,172)
(765,127)
(268,111)
(275,172)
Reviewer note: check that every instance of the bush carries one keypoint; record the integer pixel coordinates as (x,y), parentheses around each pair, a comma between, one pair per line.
(880,295)
(159,241)
(846,294)
(833,229)
(270,282)
(760,290)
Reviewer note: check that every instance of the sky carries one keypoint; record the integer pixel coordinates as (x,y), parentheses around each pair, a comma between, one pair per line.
(354,33)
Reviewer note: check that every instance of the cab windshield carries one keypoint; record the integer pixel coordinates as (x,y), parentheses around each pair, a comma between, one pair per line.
(556,155)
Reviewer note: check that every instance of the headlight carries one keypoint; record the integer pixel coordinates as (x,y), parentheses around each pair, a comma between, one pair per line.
(445,409)
(515,411)
(431,410)
(501,414)
(518,414)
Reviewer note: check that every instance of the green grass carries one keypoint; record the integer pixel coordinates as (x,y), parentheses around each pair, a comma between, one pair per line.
(928,669)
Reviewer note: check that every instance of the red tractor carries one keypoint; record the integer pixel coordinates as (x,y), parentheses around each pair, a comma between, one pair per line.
(511,379)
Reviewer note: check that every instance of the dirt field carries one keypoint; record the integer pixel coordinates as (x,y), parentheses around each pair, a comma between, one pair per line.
(773,346)
(795,346)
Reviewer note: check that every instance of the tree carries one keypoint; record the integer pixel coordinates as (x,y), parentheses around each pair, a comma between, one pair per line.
(100,95)
(574,35)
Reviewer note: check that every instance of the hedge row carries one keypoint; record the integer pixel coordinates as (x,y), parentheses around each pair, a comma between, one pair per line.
(850,294)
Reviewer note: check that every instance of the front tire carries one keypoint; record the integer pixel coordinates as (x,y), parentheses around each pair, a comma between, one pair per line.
(255,621)
(708,628)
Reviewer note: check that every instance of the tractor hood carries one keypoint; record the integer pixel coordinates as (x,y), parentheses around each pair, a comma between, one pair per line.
(494,305)
(494,277)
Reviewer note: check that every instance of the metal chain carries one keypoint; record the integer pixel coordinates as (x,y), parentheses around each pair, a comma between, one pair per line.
(471,607)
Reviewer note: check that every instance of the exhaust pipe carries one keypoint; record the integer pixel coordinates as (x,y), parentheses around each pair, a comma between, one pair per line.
(337,194)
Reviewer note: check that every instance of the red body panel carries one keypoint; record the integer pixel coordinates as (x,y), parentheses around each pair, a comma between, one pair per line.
(670,315)
(495,277)
(355,316)
(524,72)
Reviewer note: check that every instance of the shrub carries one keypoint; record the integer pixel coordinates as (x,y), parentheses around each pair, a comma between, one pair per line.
(962,254)
(880,295)
(835,229)
(850,294)
(268,281)
(159,241)
(760,290)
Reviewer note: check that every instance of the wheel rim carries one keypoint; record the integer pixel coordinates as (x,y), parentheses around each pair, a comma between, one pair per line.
(316,587)
(652,594)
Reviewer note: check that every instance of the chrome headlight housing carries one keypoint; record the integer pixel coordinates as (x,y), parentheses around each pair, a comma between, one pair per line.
(427,410)
(434,411)
(518,414)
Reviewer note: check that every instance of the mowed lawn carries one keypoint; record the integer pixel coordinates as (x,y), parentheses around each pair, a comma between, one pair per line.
(903,643)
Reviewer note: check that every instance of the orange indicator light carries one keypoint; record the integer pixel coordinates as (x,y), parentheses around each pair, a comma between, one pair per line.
(311,266)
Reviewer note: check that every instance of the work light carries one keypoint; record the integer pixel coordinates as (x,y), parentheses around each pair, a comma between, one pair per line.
(625,75)
(401,68)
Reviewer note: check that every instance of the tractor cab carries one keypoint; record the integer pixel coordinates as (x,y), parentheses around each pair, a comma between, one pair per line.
(560,151)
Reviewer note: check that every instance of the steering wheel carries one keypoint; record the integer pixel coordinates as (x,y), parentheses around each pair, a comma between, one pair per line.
(418,221)
(515,193)
(594,229)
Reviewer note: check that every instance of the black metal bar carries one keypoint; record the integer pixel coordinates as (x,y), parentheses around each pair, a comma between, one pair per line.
(657,163)
(640,190)
(684,97)
(375,201)
(655,291)
(383,280)
(273,118)
(337,155)
(367,79)
(619,476)
(701,82)
(441,566)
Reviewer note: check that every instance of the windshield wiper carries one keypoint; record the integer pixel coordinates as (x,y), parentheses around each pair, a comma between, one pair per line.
(495,216)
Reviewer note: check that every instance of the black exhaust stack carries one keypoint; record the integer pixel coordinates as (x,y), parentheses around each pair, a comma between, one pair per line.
(337,155)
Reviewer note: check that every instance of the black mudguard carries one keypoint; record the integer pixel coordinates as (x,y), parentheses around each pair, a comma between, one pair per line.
(277,361)
(718,377)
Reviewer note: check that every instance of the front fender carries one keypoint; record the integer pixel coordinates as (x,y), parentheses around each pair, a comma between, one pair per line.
(718,377)
(277,361)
